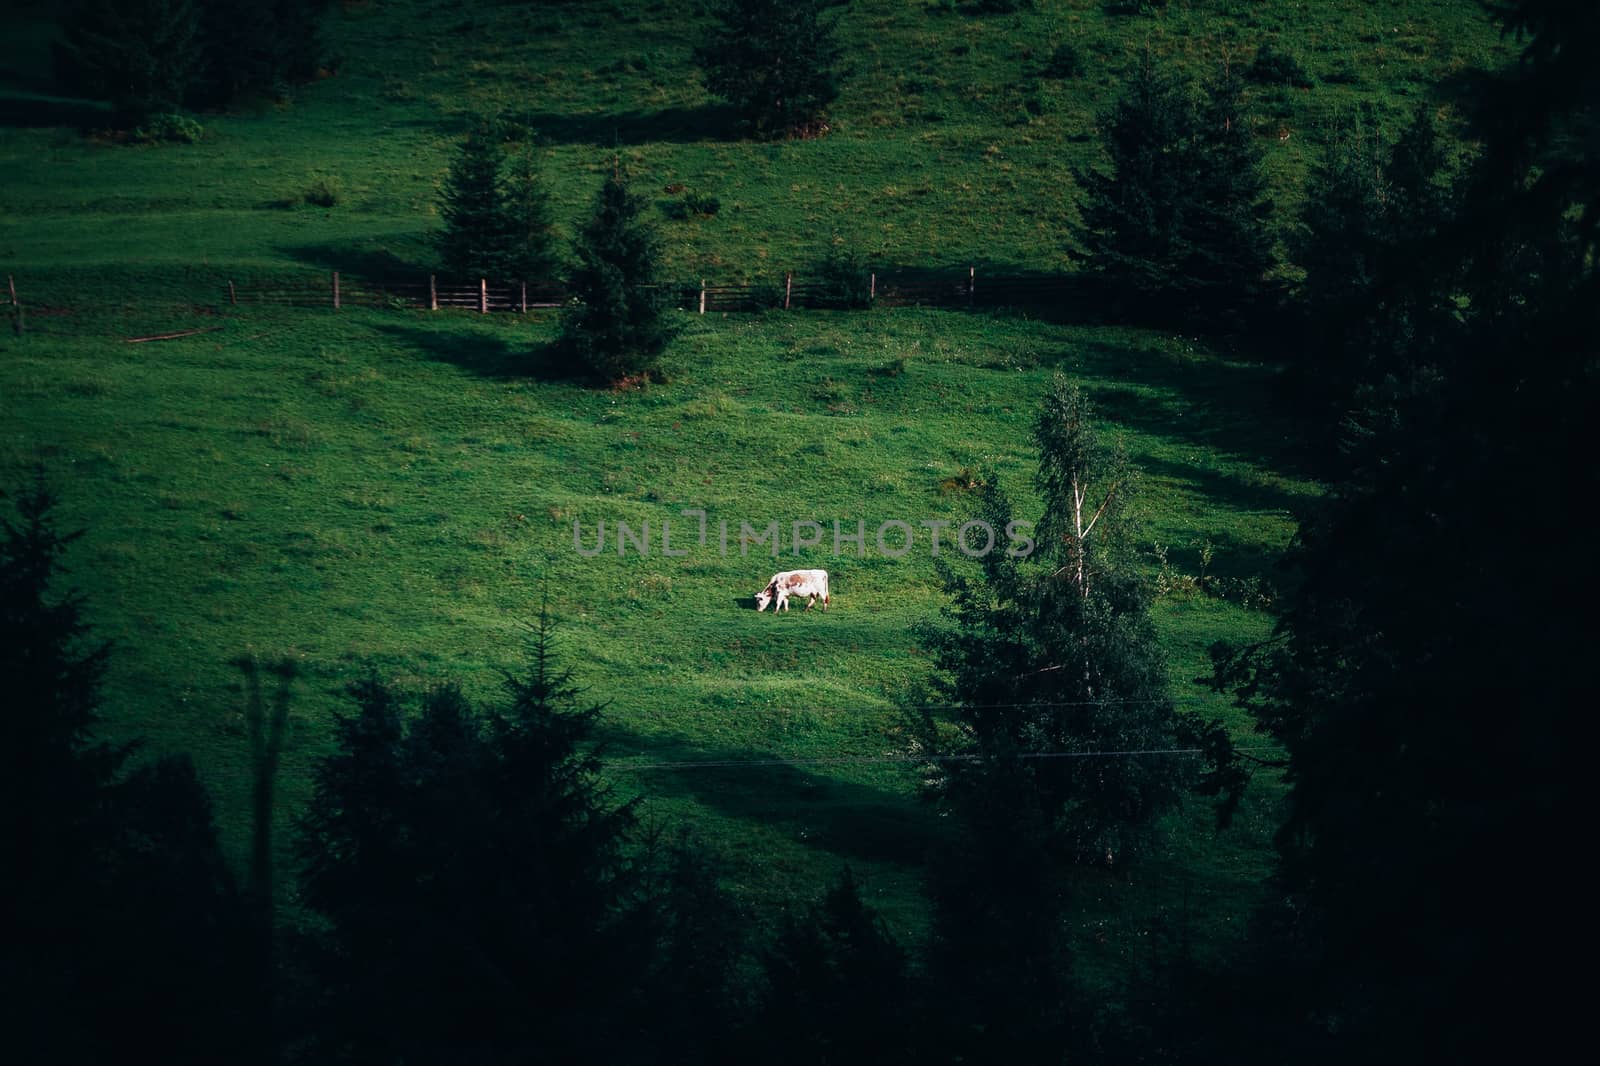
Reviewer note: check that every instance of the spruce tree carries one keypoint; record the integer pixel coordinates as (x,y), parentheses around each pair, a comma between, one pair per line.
(489,840)
(775,61)
(618,326)
(120,915)
(1422,679)
(525,210)
(475,242)
(838,990)
(1056,653)
(1177,223)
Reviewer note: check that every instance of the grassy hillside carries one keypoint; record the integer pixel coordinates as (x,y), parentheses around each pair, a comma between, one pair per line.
(388,489)
(949,146)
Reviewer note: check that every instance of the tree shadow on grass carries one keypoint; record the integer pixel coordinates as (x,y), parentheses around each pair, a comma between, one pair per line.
(1215,404)
(1229,490)
(856,821)
(371,264)
(480,352)
(27,110)
(489,355)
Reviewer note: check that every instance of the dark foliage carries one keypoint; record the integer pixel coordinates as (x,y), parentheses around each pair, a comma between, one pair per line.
(775,61)
(619,325)
(1065,61)
(120,916)
(842,278)
(1056,654)
(1376,303)
(1177,224)
(151,57)
(474,240)
(487,839)
(144,56)
(1272,67)
(837,987)
(1425,680)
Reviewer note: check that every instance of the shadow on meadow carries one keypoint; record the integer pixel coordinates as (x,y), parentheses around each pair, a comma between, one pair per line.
(370,264)
(853,820)
(1226,490)
(481,353)
(1211,404)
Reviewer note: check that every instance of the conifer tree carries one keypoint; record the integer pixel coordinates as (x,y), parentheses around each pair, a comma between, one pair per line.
(775,61)
(489,840)
(119,915)
(837,986)
(525,209)
(619,325)
(1176,224)
(1056,652)
(475,241)
(1422,678)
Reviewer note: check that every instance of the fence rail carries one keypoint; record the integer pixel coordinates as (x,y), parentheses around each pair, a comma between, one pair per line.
(939,289)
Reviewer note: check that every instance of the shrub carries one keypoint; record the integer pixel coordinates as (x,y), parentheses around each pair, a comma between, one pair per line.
(1064,62)
(170,128)
(1272,67)
(325,190)
(842,277)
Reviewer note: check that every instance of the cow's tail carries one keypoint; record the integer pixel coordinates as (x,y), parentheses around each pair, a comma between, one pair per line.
(825,598)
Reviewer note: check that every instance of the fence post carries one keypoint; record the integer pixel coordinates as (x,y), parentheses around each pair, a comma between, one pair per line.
(16,307)
(872,287)
(233,297)
(702,296)
(336,290)
(433,292)
(524,297)
(788,287)
(972,283)
(483,296)
(11,286)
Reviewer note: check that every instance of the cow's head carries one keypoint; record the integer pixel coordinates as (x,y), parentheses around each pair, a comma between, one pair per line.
(764,597)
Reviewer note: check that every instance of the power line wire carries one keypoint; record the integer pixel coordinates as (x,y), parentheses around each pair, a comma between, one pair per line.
(836,760)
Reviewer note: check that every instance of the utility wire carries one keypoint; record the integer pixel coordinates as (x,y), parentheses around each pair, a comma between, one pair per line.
(836,760)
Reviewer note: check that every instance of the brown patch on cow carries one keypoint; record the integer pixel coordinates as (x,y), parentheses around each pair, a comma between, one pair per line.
(795,581)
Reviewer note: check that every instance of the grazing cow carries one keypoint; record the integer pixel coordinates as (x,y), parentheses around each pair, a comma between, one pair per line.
(812,583)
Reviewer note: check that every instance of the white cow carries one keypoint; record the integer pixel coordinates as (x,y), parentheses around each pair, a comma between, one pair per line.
(812,583)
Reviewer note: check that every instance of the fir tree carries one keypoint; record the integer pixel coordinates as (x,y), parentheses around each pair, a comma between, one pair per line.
(488,839)
(619,325)
(1177,221)
(1422,678)
(475,242)
(1057,653)
(121,916)
(525,210)
(837,987)
(776,62)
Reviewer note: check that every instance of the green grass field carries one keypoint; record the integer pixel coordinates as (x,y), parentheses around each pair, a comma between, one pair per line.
(388,489)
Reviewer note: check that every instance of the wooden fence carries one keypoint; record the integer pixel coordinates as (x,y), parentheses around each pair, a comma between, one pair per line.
(942,288)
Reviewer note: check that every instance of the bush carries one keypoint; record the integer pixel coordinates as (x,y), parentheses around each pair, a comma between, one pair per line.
(1064,62)
(1272,67)
(174,129)
(325,191)
(842,278)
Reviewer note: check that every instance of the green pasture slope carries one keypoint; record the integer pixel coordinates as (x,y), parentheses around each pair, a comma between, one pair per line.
(388,489)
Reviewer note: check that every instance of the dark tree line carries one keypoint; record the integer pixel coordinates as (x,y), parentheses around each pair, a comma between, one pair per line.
(151,57)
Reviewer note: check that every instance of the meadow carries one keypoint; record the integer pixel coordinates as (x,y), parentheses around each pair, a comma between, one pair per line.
(393,491)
